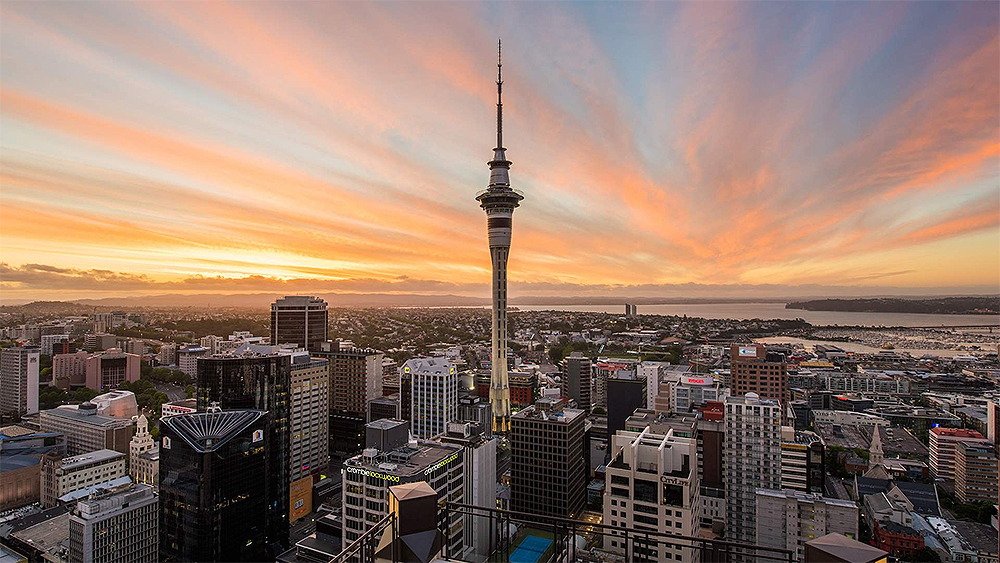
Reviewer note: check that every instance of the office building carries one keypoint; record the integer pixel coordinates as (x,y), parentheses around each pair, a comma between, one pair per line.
(116,525)
(21,453)
(144,455)
(300,320)
(753,460)
(257,382)
(651,372)
(693,390)
(803,460)
(49,340)
(499,201)
(390,459)
(214,499)
(480,465)
(85,430)
(976,476)
(993,422)
(755,370)
(355,379)
(548,467)
(652,484)
(384,407)
(310,443)
(576,380)
(943,442)
(187,359)
(167,355)
(626,393)
(788,519)
(602,372)
(847,418)
(405,396)
(61,475)
(435,395)
(711,435)
(473,408)
(99,341)
(522,388)
(19,380)
(182,406)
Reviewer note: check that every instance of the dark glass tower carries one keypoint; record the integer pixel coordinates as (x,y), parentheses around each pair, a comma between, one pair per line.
(299,319)
(257,382)
(213,470)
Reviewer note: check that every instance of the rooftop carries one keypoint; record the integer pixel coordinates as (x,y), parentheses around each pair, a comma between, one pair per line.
(90,458)
(86,416)
(956,432)
(206,431)
(407,461)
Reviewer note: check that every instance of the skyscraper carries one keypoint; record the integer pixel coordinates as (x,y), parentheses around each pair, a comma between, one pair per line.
(753,460)
(499,202)
(576,380)
(435,395)
(355,379)
(299,319)
(19,380)
(214,468)
(262,382)
(548,471)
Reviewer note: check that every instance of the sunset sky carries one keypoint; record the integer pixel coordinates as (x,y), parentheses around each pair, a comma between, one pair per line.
(149,147)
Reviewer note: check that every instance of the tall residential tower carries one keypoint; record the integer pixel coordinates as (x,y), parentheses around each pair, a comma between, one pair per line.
(499,201)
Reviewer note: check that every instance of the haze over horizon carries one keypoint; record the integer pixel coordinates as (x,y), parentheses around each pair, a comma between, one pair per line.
(723,150)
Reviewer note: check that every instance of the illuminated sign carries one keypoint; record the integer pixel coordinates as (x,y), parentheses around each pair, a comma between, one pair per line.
(700,381)
(375,474)
(748,351)
(166,443)
(443,462)
(258,435)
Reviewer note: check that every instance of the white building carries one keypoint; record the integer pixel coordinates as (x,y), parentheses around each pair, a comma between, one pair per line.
(694,389)
(61,476)
(116,525)
(651,371)
(434,394)
(788,519)
(116,403)
(848,418)
(49,339)
(144,455)
(943,442)
(753,460)
(310,444)
(19,380)
(480,453)
(652,483)
(187,359)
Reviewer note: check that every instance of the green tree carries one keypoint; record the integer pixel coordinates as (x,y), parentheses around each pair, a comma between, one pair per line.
(45,374)
(84,394)
(50,397)
(189,391)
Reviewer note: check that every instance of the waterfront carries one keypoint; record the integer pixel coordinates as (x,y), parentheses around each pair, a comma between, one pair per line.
(750,310)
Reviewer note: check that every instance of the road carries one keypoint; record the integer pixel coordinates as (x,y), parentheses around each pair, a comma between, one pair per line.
(173,392)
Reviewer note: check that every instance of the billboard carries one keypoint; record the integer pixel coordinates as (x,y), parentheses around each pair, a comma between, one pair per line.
(748,352)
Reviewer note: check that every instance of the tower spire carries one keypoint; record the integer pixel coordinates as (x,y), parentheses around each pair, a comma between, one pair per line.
(499,90)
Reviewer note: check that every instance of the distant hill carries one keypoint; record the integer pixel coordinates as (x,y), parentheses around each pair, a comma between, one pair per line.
(939,306)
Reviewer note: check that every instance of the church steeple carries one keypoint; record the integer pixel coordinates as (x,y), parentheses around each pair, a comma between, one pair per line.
(876,454)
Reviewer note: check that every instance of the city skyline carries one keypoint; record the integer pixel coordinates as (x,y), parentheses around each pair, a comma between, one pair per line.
(756,148)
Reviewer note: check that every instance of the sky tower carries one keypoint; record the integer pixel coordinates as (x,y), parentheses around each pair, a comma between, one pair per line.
(499,201)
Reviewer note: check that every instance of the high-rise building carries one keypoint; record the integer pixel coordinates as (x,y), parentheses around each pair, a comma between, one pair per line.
(61,475)
(755,370)
(144,455)
(435,395)
(626,393)
(803,460)
(388,460)
(167,354)
(652,483)
(85,430)
(499,201)
(111,368)
(787,519)
(976,472)
(993,422)
(116,525)
(214,504)
(711,434)
(257,382)
(693,390)
(480,463)
(355,379)
(310,439)
(19,380)
(576,380)
(548,467)
(474,408)
(651,372)
(753,460)
(50,340)
(384,407)
(187,359)
(943,442)
(299,319)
